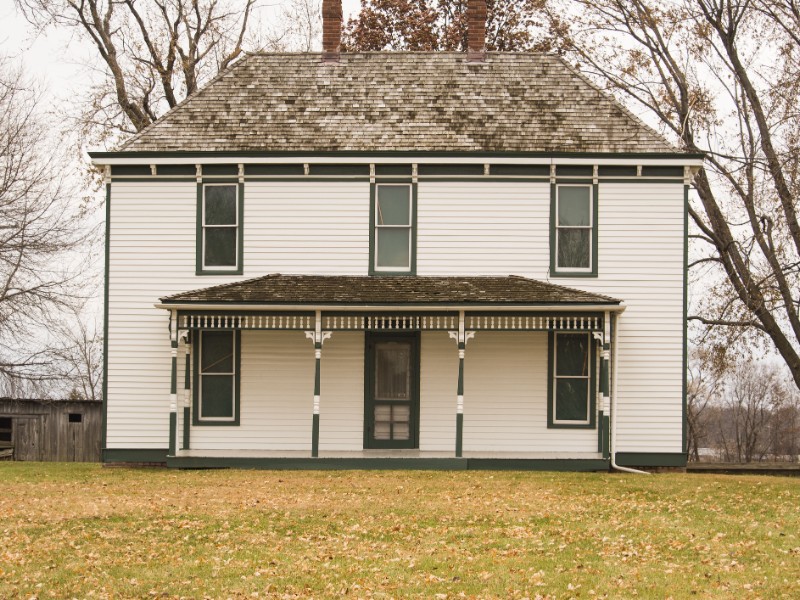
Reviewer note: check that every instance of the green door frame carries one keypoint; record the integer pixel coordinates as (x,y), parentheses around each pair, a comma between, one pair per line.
(371,338)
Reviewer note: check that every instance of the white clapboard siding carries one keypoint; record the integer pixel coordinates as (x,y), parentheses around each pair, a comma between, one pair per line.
(505,398)
(277,396)
(640,254)
(481,228)
(437,390)
(341,420)
(296,227)
(152,254)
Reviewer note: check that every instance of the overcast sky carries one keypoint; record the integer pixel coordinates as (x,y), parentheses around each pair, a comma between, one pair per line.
(57,60)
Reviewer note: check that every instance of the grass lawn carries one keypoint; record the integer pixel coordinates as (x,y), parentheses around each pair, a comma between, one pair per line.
(83,531)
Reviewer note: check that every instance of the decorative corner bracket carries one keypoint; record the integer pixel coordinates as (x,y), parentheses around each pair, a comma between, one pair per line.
(318,337)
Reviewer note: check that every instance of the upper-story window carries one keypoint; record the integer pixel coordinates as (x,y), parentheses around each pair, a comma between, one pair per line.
(574,252)
(220,229)
(393,228)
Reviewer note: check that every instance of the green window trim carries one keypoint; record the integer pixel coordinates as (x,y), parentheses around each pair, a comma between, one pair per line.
(374,229)
(200,267)
(551,387)
(197,386)
(591,271)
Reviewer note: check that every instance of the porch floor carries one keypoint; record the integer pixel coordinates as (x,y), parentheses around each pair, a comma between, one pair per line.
(400,454)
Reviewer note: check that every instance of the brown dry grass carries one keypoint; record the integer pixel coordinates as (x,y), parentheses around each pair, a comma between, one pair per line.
(87,532)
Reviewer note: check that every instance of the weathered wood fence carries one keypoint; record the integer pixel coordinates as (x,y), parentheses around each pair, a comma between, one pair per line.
(50,430)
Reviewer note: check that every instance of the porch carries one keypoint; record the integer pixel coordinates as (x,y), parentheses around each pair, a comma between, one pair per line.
(428,383)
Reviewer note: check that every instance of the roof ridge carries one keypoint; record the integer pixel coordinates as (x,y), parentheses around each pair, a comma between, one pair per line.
(198,92)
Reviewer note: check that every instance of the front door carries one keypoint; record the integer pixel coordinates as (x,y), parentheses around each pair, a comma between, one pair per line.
(391,408)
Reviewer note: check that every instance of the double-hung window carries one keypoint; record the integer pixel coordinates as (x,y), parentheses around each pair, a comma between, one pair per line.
(572,380)
(574,230)
(393,228)
(220,229)
(216,384)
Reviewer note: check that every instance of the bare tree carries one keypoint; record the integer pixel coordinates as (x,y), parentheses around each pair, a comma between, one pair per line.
(76,356)
(40,228)
(425,25)
(155,52)
(720,77)
(704,386)
(749,402)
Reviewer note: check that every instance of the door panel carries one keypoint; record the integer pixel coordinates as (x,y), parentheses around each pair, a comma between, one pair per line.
(392,391)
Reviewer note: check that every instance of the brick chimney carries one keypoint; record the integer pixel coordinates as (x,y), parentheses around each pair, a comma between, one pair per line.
(476,30)
(331,30)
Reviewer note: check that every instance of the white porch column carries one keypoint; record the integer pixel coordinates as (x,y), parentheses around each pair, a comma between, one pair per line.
(318,337)
(173,390)
(461,336)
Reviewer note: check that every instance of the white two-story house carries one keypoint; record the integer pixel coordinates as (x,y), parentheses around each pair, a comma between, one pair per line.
(422,260)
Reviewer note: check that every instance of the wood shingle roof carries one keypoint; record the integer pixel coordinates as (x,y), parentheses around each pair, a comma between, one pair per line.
(362,290)
(400,102)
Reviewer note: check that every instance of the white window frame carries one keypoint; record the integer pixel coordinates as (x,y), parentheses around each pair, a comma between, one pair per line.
(206,267)
(590,227)
(587,377)
(201,375)
(409,227)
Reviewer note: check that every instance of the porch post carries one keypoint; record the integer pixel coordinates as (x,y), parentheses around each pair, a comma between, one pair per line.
(318,337)
(461,336)
(605,406)
(173,390)
(187,378)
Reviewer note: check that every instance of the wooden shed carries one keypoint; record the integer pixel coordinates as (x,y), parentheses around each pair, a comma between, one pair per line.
(50,430)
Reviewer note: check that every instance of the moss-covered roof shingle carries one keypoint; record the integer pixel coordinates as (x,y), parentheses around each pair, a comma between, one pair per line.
(400,102)
(361,290)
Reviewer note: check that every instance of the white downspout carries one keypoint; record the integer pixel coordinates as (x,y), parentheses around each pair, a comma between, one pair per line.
(613,394)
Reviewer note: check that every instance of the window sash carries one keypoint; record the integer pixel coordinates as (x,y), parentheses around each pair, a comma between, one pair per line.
(589,228)
(202,375)
(587,378)
(206,227)
(409,228)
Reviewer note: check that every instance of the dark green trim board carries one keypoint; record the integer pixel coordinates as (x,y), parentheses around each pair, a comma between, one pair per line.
(450,169)
(684,382)
(651,459)
(236,384)
(173,431)
(459,434)
(104,427)
(592,384)
(315,435)
(199,270)
(173,382)
(187,378)
(605,429)
(554,219)
(336,170)
(131,171)
(231,170)
(134,455)
(186,427)
(388,178)
(372,249)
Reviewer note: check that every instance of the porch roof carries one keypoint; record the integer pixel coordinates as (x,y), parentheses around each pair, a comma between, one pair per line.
(347,290)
